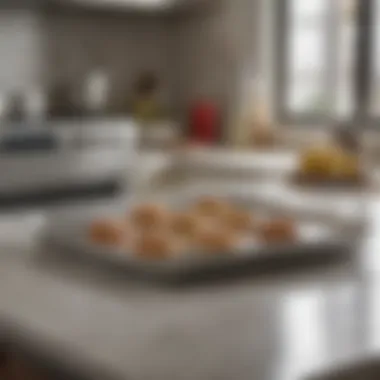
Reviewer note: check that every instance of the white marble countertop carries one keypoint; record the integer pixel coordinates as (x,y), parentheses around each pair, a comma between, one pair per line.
(269,329)
(201,160)
(266,329)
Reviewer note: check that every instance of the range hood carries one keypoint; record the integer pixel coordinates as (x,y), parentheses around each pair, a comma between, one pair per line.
(130,4)
(143,5)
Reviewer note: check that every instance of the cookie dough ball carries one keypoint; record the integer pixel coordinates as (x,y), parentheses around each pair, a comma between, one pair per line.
(278,231)
(239,220)
(108,232)
(212,207)
(156,246)
(214,240)
(149,216)
(185,224)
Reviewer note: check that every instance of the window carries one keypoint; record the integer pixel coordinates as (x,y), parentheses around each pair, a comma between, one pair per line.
(305,66)
(316,59)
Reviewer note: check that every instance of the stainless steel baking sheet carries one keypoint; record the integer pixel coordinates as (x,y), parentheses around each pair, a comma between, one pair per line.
(319,241)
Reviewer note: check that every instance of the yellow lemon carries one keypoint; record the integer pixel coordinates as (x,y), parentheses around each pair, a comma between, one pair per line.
(317,161)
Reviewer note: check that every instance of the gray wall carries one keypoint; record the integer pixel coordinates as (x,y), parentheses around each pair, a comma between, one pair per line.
(208,53)
(216,51)
(124,45)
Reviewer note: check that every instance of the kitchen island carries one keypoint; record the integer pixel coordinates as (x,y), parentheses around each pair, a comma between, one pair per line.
(85,321)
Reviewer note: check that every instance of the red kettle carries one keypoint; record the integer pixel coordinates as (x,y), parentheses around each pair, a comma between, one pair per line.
(204,122)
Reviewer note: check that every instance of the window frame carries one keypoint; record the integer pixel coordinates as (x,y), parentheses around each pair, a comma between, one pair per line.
(364,53)
(362,70)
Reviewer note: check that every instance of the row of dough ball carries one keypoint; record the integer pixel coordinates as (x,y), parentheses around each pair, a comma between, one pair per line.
(186,223)
(211,226)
